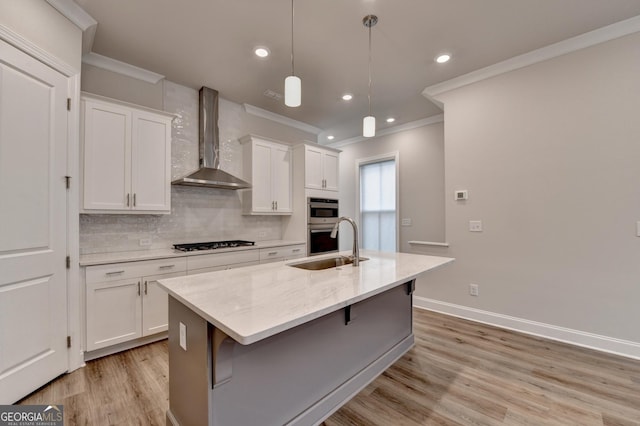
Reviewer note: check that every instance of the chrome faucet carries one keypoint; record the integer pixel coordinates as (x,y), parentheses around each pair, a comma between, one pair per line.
(356,251)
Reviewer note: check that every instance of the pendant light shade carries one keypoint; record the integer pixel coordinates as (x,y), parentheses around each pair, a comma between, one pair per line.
(292,84)
(292,91)
(369,126)
(369,122)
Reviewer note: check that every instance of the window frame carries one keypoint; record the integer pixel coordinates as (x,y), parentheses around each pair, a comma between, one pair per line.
(395,156)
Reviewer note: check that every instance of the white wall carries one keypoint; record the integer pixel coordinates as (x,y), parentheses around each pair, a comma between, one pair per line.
(421,181)
(549,154)
(42,25)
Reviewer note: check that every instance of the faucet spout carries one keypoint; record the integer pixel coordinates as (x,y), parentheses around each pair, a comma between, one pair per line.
(356,250)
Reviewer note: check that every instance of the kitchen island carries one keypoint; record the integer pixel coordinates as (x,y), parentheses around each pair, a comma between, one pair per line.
(274,344)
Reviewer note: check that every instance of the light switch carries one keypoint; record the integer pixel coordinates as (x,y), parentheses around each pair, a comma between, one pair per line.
(183,336)
(475,226)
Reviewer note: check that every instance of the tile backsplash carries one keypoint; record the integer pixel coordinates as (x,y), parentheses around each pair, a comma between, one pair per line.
(197,214)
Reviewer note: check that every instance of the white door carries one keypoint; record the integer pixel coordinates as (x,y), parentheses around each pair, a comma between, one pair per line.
(107,156)
(261,178)
(282,175)
(33,247)
(313,175)
(151,162)
(330,171)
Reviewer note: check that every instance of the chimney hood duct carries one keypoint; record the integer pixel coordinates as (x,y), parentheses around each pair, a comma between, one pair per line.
(209,175)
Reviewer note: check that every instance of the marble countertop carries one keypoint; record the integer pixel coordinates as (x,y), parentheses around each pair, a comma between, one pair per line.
(255,302)
(133,256)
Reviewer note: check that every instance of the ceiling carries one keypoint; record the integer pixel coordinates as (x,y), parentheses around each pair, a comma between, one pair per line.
(211,43)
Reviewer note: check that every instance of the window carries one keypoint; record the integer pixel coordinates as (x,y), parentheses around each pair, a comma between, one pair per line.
(378,205)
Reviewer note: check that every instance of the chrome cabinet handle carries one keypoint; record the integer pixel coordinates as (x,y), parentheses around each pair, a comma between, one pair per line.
(273,253)
(145,288)
(134,199)
(167,266)
(295,250)
(127,199)
(109,274)
(138,288)
(276,205)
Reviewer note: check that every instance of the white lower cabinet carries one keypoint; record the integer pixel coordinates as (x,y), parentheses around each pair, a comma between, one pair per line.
(124,301)
(220,261)
(277,254)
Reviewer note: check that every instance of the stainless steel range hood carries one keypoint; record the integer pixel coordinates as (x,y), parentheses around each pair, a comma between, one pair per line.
(209,175)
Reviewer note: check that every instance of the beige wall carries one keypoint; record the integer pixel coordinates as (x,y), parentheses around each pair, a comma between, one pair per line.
(549,154)
(41,24)
(421,181)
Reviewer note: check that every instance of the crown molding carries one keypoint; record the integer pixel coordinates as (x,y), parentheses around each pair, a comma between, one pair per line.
(263,113)
(591,38)
(70,10)
(32,49)
(120,67)
(390,130)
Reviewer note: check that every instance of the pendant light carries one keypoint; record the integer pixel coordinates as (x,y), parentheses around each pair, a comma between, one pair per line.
(292,84)
(369,122)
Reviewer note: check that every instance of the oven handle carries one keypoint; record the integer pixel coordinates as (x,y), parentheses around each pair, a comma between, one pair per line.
(321,227)
(333,206)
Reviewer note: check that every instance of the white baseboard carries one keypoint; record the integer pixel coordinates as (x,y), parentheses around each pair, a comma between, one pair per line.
(566,335)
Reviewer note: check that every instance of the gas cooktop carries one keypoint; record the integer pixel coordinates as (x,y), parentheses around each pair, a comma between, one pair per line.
(211,245)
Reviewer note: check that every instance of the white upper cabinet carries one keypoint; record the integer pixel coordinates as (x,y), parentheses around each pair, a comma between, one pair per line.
(268,166)
(321,168)
(127,157)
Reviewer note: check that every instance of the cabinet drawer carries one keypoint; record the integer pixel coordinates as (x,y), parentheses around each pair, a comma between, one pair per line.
(286,252)
(221,259)
(127,270)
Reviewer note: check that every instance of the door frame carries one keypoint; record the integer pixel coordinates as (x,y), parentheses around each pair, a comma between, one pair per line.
(75,358)
(394,155)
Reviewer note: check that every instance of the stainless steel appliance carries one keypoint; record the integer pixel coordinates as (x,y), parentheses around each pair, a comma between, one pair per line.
(212,245)
(322,215)
(209,174)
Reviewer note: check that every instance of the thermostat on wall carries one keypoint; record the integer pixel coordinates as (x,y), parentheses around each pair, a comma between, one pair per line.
(461,195)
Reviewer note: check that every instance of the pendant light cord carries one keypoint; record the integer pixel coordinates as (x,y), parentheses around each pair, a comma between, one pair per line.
(369,96)
(292,65)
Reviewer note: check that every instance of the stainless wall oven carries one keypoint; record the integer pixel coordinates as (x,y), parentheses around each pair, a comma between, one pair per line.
(322,215)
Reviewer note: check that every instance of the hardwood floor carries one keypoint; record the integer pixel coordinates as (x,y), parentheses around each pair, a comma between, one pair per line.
(458,373)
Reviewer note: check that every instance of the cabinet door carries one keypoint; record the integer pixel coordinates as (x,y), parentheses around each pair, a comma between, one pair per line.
(151,162)
(107,159)
(282,171)
(261,178)
(313,175)
(114,312)
(155,304)
(330,171)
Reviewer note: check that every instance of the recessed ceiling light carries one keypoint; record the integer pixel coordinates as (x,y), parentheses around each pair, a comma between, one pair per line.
(441,59)
(347,97)
(331,137)
(390,120)
(261,52)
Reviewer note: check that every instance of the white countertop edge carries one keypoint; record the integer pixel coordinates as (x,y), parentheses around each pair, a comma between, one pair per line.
(271,331)
(138,255)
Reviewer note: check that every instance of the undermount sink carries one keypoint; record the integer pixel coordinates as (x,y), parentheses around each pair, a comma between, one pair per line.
(332,262)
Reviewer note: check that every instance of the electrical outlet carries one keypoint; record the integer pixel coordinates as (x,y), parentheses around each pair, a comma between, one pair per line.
(145,242)
(183,336)
(406,221)
(474,289)
(475,226)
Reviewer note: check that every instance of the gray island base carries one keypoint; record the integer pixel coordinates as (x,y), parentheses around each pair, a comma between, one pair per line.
(301,374)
